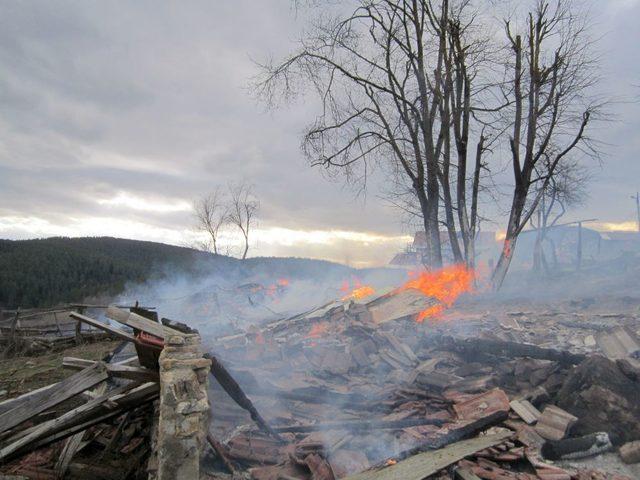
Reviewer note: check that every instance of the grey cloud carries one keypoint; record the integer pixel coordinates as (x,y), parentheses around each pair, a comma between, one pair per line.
(150,98)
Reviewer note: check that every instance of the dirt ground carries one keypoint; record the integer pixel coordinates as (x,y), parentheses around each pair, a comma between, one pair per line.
(22,374)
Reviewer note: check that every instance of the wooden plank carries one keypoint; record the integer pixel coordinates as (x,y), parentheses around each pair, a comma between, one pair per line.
(116,370)
(64,390)
(86,415)
(72,445)
(12,402)
(139,322)
(525,410)
(103,326)
(464,474)
(424,464)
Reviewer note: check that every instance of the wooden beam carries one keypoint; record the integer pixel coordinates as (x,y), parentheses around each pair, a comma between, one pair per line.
(103,326)
(12,402)
(116,370)
(425,464)
(67,388)
(141,323)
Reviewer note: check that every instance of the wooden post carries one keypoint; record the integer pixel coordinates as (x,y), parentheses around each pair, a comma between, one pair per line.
(55,317)
(14,326)
(79,326)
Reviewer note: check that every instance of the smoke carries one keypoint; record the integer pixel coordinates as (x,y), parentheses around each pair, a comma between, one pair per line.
(219,296)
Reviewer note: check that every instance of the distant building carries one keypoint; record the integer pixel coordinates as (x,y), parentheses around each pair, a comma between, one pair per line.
(486,246)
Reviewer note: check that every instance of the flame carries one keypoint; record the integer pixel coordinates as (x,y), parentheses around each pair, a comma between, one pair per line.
(501,235)
(360,293)
(355,290)
(389,462)
(445,285)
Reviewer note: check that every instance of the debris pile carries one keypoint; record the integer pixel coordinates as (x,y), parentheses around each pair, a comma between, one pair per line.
(96,423)
(366,391)
(361,388)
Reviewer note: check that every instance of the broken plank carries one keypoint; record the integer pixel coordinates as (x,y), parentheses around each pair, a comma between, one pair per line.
(67,388)
(420,466)
(139,374)
(73,443)
(141,323)
(39,393)
(111,404)
(525,410)
(103,326)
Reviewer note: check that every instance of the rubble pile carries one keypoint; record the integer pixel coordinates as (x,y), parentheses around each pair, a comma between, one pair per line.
(362,388)
(364,391)
(98,422)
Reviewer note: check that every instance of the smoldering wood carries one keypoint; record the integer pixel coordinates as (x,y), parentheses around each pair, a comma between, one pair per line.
(423,465)
(471,347)
(220,451)
(227,382)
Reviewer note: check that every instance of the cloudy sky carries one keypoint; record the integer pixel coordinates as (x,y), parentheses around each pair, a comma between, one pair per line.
(115,115)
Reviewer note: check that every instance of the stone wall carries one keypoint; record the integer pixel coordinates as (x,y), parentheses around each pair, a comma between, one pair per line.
(184,408)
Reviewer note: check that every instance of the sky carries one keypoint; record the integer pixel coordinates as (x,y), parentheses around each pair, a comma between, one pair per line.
(115,116)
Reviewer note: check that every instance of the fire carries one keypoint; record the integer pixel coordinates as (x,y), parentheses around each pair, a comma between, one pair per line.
(390,462)
(355,290)
(445,285)
(360,293)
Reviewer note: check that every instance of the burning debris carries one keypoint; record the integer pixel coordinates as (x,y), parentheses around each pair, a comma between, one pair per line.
(372,386)
(371,390)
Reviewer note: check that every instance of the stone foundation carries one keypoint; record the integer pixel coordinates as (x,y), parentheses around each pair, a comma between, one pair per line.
(184,408)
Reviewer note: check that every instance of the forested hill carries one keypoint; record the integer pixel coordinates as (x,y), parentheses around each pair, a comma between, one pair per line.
(50,271)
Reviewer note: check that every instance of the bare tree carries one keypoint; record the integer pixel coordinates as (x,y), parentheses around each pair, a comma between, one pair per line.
(379,75)
(243,208)
(211,212)
(551,75)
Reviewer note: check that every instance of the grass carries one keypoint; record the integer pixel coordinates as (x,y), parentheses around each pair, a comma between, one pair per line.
(19,375)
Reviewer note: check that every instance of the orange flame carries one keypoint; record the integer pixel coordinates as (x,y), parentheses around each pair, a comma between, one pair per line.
(445,285)
(360,293)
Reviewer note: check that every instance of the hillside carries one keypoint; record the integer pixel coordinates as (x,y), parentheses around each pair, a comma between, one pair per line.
(44,272)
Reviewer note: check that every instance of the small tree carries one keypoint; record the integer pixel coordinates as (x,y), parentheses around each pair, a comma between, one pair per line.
(212,213)
(551,74)
(243,208)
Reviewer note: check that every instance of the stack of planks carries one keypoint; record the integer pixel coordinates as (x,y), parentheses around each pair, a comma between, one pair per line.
(97,403)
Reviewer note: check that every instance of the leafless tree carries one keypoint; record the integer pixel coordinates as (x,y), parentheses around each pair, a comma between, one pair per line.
(379,75)
(243,209)
(211,212)
(551,75)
